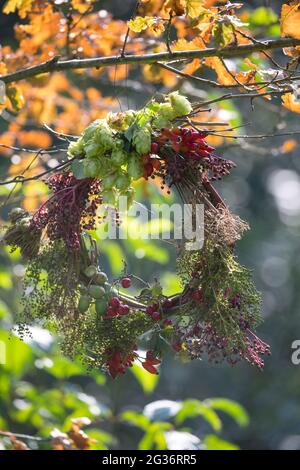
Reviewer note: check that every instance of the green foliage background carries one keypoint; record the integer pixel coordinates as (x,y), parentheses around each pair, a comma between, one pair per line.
(40,390)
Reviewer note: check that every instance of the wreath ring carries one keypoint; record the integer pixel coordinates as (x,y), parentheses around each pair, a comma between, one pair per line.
(218,309)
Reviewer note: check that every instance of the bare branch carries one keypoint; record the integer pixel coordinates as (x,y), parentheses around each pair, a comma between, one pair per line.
(98,62)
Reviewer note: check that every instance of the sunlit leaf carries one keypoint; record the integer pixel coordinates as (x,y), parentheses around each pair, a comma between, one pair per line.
(140,23)
(15,96)
(291,102)
(147,381)
(290,19)
(23,7)
(230,407)
(136,419)
(194,8)
(212,442)
(193,408)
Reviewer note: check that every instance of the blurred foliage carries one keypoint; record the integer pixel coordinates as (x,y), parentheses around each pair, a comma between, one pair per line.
(49,399)
(39,390)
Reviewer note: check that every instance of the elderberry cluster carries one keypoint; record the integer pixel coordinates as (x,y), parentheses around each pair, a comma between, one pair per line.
(71,208)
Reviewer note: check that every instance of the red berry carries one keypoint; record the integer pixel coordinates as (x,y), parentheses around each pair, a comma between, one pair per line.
(150,309)
(123,309)
(177,346)
(126,282)
(148,170)
(167,304)
(154,147)
(156,316)
(111,312)
(114,302)
(197,295)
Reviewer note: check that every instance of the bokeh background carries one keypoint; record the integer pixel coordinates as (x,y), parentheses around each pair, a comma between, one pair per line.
(40,390)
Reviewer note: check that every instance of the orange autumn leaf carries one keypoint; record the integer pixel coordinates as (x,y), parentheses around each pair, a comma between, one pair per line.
(35,139)
(290,102)
(226,78)
(118,72)
(288,146)
(290,19)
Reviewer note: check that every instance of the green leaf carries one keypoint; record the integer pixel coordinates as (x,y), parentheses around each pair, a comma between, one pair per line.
(15,96)
(147,381)
(194,408)
(262,16)
(5,280)
(136,419)
(213,442)
(19,356)
(230,407)
(62,368)
(4,310)
(223,33)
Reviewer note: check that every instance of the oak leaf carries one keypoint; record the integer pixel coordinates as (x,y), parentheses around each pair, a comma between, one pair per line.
(23,7)
(140,23)
(291,102)
(290,19)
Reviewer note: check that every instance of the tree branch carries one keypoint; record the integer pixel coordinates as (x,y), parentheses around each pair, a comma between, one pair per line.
(98,62)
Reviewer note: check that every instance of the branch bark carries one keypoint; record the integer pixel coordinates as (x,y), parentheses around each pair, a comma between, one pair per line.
(98,62)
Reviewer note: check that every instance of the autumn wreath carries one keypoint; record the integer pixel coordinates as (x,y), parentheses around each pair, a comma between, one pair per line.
(65,289)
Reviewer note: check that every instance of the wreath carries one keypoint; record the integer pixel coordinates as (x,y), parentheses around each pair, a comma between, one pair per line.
(97,320)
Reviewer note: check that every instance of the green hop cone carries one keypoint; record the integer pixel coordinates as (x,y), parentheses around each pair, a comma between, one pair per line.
(135,167)
(122,182)
(109,197)
(109,181)
(91,168)
(142,140)
(76,149)
(90,131)
(180,104)
(165,116)
(118,156)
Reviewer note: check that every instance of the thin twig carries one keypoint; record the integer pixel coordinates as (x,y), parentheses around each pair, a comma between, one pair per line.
(231,96)
(21,179)
(24,436)
(213,84)
(258,136)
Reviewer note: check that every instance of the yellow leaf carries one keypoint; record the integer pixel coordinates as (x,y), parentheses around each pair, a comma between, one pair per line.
(176,6)
(290,102)
(23,7)
(140,23)
(194,8)
(290,19)
(82,5)
(15,96)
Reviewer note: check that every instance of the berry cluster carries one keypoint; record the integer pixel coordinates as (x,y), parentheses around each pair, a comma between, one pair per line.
(117,364)
(184,149)
(71,208)
(204,339)
(152,310)
(116,308)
